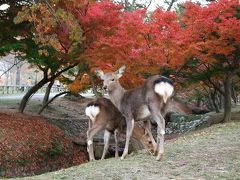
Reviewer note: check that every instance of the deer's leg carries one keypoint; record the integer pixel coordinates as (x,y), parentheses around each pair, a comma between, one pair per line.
(90,147)
(89,124)
(106,143)
(130,125)
(90,133)
(147,125)
(116,136)
(160,133)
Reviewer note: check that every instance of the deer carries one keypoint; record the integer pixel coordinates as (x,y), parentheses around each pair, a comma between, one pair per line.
(103,115)
(141,103)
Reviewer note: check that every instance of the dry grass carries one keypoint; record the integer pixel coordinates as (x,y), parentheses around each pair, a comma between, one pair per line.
(212,153)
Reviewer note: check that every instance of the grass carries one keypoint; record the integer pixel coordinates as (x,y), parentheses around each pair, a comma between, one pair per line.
(212,153)
(33,106)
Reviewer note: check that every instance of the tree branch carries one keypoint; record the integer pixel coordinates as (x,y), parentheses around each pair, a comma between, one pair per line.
(215,86)
(171,4)
(51,100)
(10,68)
(150,2)
(63,70)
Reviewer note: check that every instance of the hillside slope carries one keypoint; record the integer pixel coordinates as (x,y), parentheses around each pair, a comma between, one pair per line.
(206,154)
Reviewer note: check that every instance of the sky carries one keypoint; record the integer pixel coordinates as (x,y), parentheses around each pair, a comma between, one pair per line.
(157,3)
(154,4)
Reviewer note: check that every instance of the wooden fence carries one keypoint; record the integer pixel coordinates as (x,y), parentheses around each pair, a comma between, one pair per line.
(13,89)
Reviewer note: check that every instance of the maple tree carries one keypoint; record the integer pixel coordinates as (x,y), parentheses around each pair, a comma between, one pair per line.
(68,28)
(144,44)
(212,38)
(199,41)
(101,34)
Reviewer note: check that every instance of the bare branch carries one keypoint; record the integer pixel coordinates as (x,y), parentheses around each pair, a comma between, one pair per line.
(150,2)
(10,68)
(171,4)
(51,100)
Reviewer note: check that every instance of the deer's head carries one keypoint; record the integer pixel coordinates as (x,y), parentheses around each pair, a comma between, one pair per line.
(110,79)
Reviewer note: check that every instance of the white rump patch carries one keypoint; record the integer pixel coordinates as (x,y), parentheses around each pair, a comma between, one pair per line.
(162,132)
(89,142)
(164,89)
(92,112)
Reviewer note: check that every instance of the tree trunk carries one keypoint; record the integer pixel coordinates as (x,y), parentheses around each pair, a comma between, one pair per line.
(213,97)
(48,102)
(18,72)
(234,95)
(227,99)
(47,93)
(30,92)
(94,86)
(221,101)
(199,101)
(40,84)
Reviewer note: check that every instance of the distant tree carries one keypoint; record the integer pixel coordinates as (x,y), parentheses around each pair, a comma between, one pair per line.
(62,32)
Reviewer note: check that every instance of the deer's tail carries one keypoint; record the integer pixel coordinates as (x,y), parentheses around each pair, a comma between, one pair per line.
(164,88)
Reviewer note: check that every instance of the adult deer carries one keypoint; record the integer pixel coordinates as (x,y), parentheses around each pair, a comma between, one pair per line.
(103,115)
(140,103)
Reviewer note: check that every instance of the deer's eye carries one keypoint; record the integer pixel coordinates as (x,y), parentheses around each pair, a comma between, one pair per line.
(113,79)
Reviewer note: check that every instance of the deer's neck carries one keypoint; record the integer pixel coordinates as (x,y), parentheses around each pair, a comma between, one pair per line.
(117,94)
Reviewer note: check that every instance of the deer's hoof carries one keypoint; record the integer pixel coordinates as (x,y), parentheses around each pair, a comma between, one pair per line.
(159,157)
(92,159)
(122,158)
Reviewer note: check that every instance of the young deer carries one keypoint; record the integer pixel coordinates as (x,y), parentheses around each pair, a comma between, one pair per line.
(140,103)
(103,115)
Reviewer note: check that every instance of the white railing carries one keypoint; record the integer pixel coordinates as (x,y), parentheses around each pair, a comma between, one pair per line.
(19,89)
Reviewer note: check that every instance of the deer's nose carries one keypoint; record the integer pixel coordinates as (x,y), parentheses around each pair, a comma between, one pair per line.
(105,87)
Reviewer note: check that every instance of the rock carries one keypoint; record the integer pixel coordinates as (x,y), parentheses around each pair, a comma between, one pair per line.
(176,117)
(180,123)
(200,111)
(169,131)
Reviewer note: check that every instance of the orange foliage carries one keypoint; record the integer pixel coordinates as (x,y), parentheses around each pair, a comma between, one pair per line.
(212,30)
(101,34)
(81,83)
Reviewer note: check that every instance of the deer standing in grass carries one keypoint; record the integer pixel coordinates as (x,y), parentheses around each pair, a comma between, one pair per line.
(150,99)
(103,115)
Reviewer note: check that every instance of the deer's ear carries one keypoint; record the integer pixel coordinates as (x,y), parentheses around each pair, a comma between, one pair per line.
(99,73)
(120,71)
